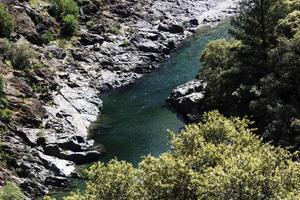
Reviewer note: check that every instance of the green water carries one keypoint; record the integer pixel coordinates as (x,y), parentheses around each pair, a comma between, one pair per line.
(135,119)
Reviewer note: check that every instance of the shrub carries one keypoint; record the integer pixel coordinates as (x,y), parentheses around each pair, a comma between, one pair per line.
(21,55)
(218,158)
(5,115)
(114,28)
(11,192)
(7,22)
(60,8)
(70,24)
(4,46)
(47,37)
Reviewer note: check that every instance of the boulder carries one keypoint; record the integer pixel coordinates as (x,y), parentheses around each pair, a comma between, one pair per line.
(91,38)
(149,46)
(80,157)
(56,181)
(187,98)
(194,22)
(59,166)
(172,28)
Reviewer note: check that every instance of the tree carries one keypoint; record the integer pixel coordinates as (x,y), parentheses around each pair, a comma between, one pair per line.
(218,158)
(260,77)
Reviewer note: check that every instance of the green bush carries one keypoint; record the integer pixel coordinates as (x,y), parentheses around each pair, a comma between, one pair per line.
(5,115)
(60,8)
(7,23)
(47,37)
(218,158)
(21,55)
(11,192)
(70,24)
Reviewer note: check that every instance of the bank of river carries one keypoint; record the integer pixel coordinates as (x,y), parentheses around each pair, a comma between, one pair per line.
(135,119)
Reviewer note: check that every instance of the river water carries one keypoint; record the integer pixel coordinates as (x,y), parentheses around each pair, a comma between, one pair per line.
(135,119)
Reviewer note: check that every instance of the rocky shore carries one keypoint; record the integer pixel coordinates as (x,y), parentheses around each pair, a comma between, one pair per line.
(117,43)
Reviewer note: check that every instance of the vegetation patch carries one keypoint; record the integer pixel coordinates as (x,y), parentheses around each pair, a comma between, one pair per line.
(7,22)
(11,192)
(218,158)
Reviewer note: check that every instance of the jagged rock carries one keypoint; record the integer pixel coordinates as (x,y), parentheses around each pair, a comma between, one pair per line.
(187,98)
(194,22)
(56,52)
(26,27)
(58,166)
(91,38)
(149,46)
(172,28)
(56,181)
(33,188)
(52,150)
(80,157)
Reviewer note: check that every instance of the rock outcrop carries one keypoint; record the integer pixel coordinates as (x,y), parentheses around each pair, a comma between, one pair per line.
(186,98)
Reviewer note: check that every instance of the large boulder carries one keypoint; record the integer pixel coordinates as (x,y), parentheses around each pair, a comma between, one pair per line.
(91,39)
(172,28)
(187,98)
(149,46)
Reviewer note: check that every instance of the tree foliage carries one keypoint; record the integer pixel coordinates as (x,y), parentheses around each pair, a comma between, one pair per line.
(260,76)
(218,158)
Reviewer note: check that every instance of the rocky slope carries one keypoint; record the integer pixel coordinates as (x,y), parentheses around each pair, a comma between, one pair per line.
(118,42)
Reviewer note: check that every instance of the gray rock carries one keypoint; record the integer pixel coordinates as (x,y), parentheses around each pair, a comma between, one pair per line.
(56,181)
(172,28)
(81,157)
(91,38)
(187,98)
(149,46)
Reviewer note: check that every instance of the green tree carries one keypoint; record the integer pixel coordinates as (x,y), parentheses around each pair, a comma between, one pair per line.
(7,22)
(259,77)
(218,158)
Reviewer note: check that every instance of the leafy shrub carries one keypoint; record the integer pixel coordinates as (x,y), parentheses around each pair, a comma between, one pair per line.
(47,37)
(5,115)
(7,23)
(70,24)
(60,8)
(218,158)
(11,192)
(21,55)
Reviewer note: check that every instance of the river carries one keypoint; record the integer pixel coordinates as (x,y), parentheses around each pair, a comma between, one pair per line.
(135,119)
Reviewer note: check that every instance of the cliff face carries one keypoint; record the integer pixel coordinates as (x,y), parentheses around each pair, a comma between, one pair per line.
(52,106)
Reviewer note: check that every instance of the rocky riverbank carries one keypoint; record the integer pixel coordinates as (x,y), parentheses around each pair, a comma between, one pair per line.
(118,42)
